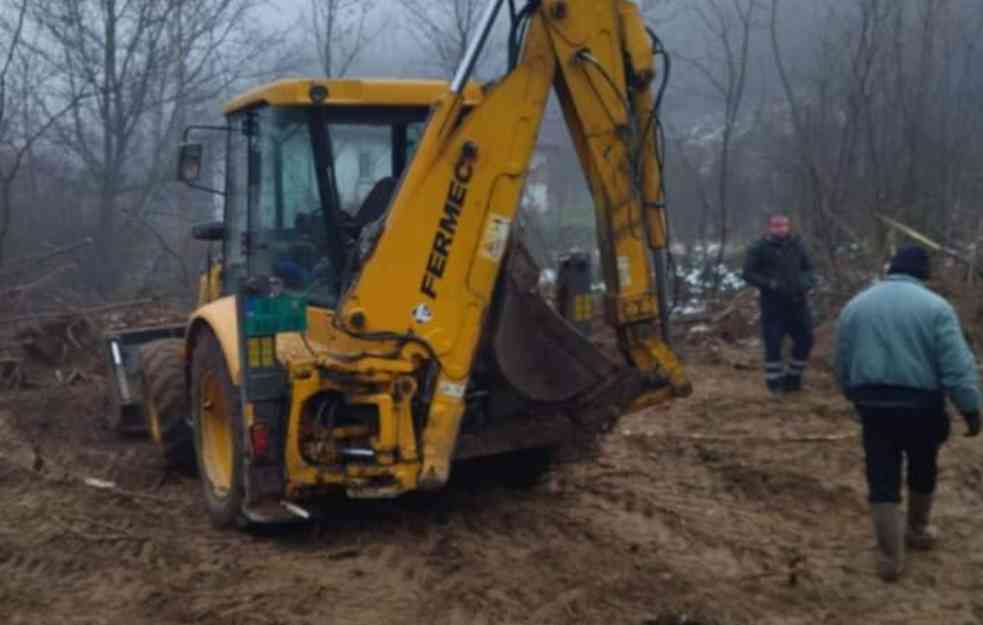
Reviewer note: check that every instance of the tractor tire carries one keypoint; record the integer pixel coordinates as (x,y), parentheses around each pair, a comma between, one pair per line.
(218,433)
(166,400)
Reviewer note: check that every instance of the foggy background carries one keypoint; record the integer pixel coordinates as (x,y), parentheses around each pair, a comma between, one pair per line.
(833,111)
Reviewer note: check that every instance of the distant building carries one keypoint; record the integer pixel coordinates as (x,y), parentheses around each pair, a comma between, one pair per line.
(363,156)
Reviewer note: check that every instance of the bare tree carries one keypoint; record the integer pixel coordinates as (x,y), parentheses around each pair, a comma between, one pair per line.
(826,125)
(145,62)
(11,154)
(443,28)
(728,30)
(339,31)
(20,125)
(662,11)
(878,116)
(860,107)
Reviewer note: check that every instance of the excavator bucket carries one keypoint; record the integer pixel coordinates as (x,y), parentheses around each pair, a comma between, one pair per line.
(552,386)
(542,355)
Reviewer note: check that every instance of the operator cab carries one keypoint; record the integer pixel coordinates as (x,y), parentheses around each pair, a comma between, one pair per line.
(311,169)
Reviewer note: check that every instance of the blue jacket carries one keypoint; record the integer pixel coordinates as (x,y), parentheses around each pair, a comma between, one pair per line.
(898,333)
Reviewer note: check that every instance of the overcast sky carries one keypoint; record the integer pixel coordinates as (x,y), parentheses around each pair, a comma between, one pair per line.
(394,53)
(390,54)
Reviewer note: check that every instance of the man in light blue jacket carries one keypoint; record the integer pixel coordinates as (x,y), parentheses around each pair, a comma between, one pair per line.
(899,351)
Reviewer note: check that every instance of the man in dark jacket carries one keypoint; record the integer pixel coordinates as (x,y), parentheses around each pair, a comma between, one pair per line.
(899,350)
(779,265)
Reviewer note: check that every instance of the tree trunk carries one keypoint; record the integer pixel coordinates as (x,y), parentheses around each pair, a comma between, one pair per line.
(6,201)
(107,270)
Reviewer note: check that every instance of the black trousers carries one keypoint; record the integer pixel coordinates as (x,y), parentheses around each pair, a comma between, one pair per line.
(780,318)
(909,430)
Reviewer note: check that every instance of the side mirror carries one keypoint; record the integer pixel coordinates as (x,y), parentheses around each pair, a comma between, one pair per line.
(189,162)
(209,231)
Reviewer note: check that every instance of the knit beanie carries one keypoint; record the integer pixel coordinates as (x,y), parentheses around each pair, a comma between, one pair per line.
(912,260)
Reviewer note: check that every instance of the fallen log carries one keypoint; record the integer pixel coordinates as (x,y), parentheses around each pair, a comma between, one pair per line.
(76,312)
(957,255)
(47,278)
(19,265)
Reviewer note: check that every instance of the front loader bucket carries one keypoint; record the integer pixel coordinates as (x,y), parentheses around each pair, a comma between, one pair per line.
(122,357)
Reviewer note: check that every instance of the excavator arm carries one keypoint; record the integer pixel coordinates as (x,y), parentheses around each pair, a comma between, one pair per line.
(431,279)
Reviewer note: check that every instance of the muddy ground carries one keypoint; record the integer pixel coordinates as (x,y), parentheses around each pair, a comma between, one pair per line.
(724,508)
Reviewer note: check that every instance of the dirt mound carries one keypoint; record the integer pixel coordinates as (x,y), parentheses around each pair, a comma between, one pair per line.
(62,346)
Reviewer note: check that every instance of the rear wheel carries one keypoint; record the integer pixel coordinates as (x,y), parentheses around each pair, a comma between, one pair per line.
(165,400)
(217,418)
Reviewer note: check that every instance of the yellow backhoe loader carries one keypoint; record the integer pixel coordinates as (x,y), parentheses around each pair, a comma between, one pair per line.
(373,316)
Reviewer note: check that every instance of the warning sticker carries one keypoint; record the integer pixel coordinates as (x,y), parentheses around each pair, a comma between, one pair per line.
(422,314)
(624,271)
(496,238)
(451,389)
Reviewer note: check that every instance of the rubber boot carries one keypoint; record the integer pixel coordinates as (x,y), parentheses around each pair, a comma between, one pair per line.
(793,376)
(889,529)
(793,382)
(775,378)
(920,534)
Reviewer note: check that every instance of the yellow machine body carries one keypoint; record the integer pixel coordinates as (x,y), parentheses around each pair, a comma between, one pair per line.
(402,341)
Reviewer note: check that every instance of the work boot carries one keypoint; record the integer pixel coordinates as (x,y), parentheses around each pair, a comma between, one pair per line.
(776,386)
(889,529)
(793,376)
(792,383)
(775,377)
(920,534)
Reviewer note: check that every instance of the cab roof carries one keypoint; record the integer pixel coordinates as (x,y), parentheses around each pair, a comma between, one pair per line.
(297,92)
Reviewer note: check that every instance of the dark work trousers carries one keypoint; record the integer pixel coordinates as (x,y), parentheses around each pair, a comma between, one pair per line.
(781,317)
(908,430)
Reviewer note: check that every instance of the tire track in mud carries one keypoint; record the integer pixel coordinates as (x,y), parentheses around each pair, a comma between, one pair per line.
(496,553)
(509,571)
(87,547)
(54,521)
(19,565)
(436,571)
(658,529)
(433,560)
(728,521)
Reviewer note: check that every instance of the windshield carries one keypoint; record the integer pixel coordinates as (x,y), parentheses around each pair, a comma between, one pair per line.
(320,181)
